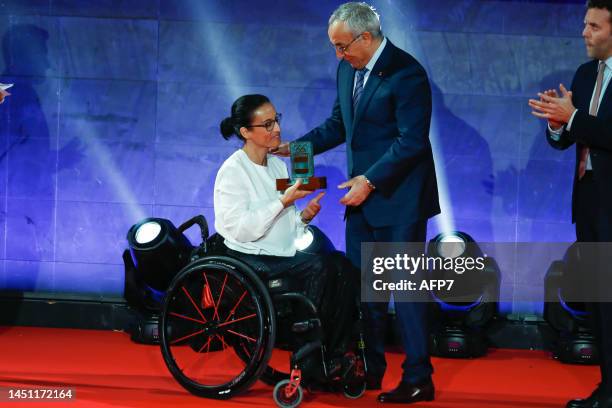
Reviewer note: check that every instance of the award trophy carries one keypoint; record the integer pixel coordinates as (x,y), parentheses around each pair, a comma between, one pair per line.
(302,167)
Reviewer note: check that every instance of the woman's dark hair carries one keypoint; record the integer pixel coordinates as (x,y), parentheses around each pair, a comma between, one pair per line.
(242,114)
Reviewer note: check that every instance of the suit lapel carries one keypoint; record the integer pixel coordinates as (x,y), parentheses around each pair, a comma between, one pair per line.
(604,106)
(345,94)
(374,80)
(589,85)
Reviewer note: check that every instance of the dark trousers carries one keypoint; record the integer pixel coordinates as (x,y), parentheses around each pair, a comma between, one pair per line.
(329,280)
(411,316)
(594,224)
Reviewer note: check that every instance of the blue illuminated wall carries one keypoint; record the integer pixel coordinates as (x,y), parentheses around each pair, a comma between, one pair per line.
(116,104)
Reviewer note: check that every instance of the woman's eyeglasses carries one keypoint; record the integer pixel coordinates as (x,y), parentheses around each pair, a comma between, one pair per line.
(269,124)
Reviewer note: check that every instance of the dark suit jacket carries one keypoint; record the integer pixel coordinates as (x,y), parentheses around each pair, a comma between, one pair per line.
(594,132)
(388,138)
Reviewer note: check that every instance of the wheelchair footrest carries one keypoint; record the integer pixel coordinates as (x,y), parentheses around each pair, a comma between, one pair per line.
(305,325)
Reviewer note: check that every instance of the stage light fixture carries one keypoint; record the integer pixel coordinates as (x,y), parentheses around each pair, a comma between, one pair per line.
(314,241)
(459,318)
(157,252)
(574,342)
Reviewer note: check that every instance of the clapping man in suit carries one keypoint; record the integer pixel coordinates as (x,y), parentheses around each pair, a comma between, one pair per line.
(583,116)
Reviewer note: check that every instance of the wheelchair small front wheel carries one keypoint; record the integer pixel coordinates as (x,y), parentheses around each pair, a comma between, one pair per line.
(354,391)
(285,397)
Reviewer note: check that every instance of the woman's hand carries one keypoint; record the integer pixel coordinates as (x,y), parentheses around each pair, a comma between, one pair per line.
(312,209)
(292,194)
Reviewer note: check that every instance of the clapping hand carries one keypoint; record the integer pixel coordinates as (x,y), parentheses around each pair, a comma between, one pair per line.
(556,109)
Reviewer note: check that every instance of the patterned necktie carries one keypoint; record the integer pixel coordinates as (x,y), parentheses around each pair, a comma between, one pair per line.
(584,151)
(358,87)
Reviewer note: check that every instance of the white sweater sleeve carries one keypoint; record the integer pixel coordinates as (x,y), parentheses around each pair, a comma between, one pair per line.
(237,217)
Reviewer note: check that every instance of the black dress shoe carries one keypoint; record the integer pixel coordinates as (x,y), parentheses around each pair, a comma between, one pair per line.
(373,383)
(585,402)
(406,393)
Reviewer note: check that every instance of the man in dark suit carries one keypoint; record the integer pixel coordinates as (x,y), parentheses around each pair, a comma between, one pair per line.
(382,112)
(583,116)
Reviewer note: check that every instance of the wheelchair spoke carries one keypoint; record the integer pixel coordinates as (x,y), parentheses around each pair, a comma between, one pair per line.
(220,296)
(199,358)
(216,313)
(186,317)
(187,336)
(193,303)
(225,345)
(231,313)
(237,320)
(243,336)
(207,345)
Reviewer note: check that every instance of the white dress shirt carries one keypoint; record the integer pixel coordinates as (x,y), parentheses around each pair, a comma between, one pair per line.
(556,133)
(248,210)
(370,65)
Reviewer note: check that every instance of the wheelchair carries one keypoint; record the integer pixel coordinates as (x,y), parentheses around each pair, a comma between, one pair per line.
(219,323)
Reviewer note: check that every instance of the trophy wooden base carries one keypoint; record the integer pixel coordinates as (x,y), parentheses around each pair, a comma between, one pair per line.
(314,183)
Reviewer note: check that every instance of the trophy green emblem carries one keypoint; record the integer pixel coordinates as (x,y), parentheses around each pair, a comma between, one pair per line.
(302,168)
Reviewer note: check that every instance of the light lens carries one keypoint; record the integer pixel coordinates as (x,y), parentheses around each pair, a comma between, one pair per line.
(451,246)
(304,241)
(147,232)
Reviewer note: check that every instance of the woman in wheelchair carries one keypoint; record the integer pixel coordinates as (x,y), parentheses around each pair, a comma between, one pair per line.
(260,226)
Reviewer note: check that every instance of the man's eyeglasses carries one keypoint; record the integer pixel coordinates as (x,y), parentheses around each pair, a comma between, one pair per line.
(342,48)
(269,124)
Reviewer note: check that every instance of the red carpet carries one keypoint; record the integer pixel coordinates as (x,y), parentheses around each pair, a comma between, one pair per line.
(108,370)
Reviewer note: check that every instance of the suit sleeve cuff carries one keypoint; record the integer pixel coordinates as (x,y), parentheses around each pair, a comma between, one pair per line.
(571,120)
(555,134)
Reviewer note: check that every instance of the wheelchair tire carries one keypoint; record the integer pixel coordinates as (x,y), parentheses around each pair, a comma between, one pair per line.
(217,327)
(354,391)
(270,376)
(287,402)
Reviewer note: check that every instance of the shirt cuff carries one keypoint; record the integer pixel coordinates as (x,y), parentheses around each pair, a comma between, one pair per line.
(569,122)
(299,221)
(555,134)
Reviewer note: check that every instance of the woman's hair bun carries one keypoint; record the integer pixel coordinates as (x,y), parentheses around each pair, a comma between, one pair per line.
(227,128)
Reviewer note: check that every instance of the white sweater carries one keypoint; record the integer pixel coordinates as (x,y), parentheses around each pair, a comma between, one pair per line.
(248,210)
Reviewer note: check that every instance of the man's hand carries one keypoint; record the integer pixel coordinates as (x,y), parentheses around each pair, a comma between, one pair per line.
(282,150)
(360,190)
(312,208)
(554,125)
(557,110)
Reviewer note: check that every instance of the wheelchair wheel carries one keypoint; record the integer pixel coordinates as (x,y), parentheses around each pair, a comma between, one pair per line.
(287,401)
(354,379)
(354,391)
(217,327)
